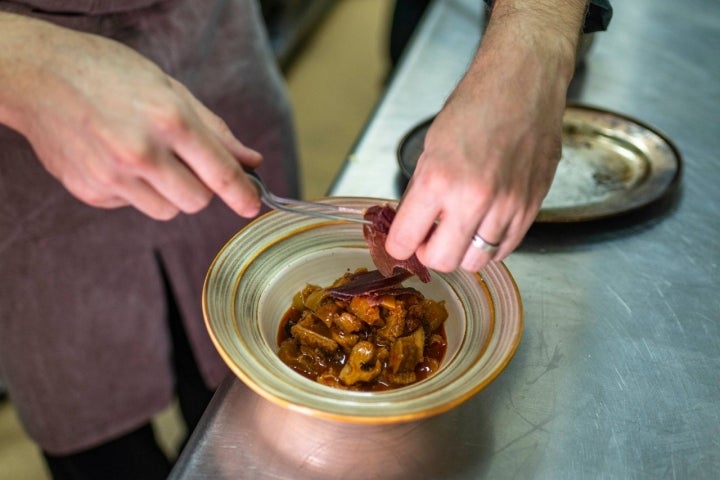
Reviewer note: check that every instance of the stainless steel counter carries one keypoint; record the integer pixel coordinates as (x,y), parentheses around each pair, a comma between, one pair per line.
(618,372)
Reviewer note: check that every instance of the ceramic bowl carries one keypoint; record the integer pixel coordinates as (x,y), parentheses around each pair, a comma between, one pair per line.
(250,285)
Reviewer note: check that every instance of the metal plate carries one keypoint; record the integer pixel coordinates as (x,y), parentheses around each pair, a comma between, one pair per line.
(611,164)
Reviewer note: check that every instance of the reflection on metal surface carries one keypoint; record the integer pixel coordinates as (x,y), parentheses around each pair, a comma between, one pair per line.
(245,436)
(321,449)
(611,164)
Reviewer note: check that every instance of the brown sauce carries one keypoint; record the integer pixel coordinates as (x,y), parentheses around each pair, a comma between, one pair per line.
(400,341)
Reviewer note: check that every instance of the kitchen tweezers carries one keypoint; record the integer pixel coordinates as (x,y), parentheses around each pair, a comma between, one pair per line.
(302,207)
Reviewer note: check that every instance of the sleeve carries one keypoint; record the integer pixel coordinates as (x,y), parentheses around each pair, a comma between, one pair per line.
(597,17)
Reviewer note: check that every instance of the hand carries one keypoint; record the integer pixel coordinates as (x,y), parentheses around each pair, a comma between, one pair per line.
(113,128)
(490,155)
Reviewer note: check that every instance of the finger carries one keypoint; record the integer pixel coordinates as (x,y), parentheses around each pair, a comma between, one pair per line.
(100,201)
(413,222)
(143,197)
(498,232)
(478,253)
(492,228)
(521,223)
(107,202)
(122,192)
(418,211)
(172,179)
(445,249)
(474,259)
(249,157)
(495,223)
(217,169)
(486,240)
(515,233)
(91,194)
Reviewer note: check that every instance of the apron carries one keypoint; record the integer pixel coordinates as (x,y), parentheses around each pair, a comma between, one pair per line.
(84,345)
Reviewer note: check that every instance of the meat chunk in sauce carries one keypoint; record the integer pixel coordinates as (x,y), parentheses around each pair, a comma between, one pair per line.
(386,338)
(407,352)
(362,364)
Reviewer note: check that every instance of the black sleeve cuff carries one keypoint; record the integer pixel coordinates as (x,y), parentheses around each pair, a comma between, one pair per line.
(598,16)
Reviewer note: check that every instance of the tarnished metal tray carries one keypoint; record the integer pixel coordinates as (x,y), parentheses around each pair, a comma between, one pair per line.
(611,164)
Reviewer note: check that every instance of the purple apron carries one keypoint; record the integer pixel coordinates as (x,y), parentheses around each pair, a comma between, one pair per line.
(84,346)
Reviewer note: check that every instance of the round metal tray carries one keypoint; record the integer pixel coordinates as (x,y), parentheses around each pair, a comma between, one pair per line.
(611,164)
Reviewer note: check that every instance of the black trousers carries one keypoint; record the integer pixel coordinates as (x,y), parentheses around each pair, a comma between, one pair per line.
(137,455)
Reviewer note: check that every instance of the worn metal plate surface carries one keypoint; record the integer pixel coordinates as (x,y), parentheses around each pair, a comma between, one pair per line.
(611,164)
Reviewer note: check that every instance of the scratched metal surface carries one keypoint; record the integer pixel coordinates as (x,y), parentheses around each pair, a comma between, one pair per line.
(618,372)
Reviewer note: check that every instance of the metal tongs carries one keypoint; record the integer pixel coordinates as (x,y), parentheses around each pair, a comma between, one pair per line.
(301,207)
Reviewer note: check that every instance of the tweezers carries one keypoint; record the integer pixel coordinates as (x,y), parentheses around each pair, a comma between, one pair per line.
(302,207)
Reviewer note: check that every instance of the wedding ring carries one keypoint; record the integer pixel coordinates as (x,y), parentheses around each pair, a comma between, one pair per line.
(479,242)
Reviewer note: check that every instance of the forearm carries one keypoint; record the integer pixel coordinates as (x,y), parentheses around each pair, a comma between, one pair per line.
(18,35)
(528,48)
(548,27)
(566,16)
(10,68)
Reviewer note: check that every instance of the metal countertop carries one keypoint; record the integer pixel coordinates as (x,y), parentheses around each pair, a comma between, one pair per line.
(618,371)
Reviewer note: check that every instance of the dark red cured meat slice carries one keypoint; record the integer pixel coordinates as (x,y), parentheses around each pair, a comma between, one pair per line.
(376,234)
(367,283)
(376,297)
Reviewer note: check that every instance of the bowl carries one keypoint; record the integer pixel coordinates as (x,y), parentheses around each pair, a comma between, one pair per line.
(250,284)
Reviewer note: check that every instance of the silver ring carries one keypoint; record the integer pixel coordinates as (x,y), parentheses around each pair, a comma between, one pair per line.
(479,242)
